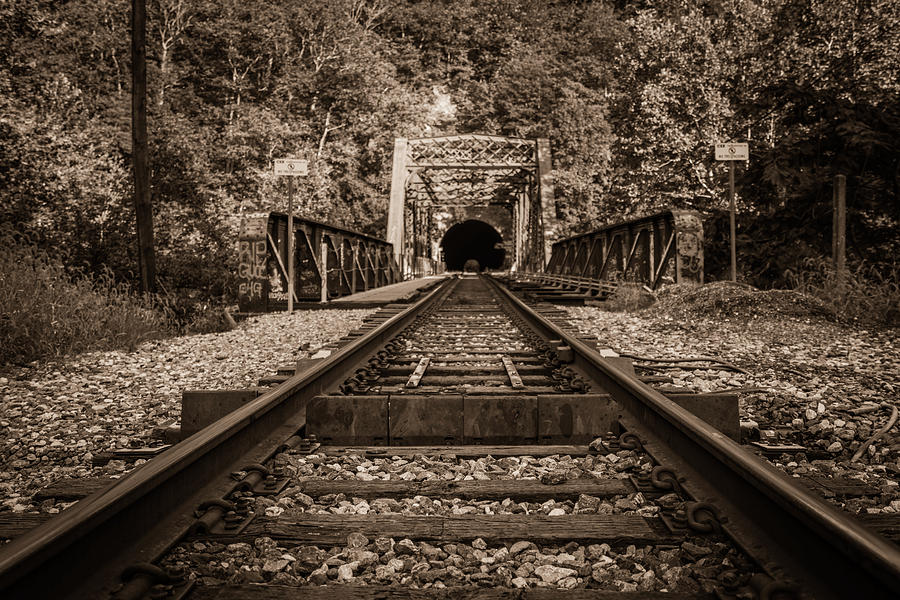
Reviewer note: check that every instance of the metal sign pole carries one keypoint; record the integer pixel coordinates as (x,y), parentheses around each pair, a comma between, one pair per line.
(731,152)
(732,218)
(290,245)
(290,168)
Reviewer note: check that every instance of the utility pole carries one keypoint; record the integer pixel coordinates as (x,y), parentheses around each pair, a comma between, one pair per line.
(139,156)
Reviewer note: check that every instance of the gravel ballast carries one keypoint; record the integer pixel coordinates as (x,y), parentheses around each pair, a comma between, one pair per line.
(57,415)
(805,377)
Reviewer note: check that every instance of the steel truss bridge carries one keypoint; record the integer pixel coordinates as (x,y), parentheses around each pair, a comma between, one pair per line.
(443,184)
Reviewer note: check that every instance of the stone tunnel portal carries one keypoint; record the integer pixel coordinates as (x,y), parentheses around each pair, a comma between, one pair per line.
(475,240)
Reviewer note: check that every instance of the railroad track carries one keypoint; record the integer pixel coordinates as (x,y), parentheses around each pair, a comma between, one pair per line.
(487,490)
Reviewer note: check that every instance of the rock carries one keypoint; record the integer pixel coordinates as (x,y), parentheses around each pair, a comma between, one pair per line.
(396,564)
(554,477)
(384,544)
(586,501)
(479,544)
(695,550)
(274,565)
(552,574)
(625,504)
(345,572)
(835,447)
(361,556)
(240,548)
(519,582)
(384,571)
(567,583)
(309,558)
(304,500)
(357,540)
(556,512)
(520,546)
(405,546)
(597,551)
(319,576)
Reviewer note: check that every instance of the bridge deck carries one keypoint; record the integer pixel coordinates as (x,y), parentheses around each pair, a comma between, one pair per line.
(386,294)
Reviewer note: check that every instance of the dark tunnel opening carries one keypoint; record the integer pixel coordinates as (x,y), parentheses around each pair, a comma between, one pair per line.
(472,240)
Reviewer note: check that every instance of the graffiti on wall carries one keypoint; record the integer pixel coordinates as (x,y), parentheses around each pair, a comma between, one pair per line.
(689,246)
(252,277)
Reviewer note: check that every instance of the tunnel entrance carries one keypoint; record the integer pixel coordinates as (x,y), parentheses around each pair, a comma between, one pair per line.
(472,240)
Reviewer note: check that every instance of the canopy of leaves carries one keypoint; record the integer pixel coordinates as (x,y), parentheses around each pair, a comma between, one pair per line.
(633,94)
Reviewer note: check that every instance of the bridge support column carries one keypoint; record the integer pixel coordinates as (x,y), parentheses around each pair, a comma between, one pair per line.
(396,209)
(548,202)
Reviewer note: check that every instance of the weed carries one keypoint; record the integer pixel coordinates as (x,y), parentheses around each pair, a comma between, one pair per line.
(628,297)
(46,310)
(863,295)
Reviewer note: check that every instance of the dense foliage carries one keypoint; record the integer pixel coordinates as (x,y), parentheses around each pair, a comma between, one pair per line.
(632,93)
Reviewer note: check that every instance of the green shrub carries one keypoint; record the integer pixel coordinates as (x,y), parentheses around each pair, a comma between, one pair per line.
(863,295)
(46,310)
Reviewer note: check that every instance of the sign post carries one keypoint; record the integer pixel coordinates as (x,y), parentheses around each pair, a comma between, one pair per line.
(290,167)
(731,153)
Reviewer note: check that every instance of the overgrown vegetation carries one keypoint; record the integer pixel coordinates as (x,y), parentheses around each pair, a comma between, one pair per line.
(47,310)
(863,295)
(628,297)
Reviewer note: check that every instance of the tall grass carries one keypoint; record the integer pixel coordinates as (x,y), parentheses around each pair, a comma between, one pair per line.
(628,297)
(46,310)
(863,295)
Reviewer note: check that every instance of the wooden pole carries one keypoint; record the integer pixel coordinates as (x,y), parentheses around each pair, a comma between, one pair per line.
(140,162)
(290,244)
(323,268)
(839,227)
(732,218)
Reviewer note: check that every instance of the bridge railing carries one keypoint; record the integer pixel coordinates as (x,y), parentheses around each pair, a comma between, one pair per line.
(329,262)
(574,283)
(648,250)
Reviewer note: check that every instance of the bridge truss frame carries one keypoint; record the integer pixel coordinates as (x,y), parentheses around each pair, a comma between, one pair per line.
(645,250)
(330,262)
(469,171)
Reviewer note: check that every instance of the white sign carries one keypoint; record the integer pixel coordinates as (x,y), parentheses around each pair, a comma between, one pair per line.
(291,166)
(732,151)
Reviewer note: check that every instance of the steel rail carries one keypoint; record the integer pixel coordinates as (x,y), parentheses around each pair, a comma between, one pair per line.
(794,535)
(82,552)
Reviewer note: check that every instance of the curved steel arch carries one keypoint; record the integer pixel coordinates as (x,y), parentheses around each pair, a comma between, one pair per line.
(440,180)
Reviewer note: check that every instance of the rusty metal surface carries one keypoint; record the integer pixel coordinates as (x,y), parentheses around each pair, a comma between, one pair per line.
(500,419)
(199,408)
(790,532)
(348,419)
(354,262)
(425,419)
(648,250)
(576,418)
